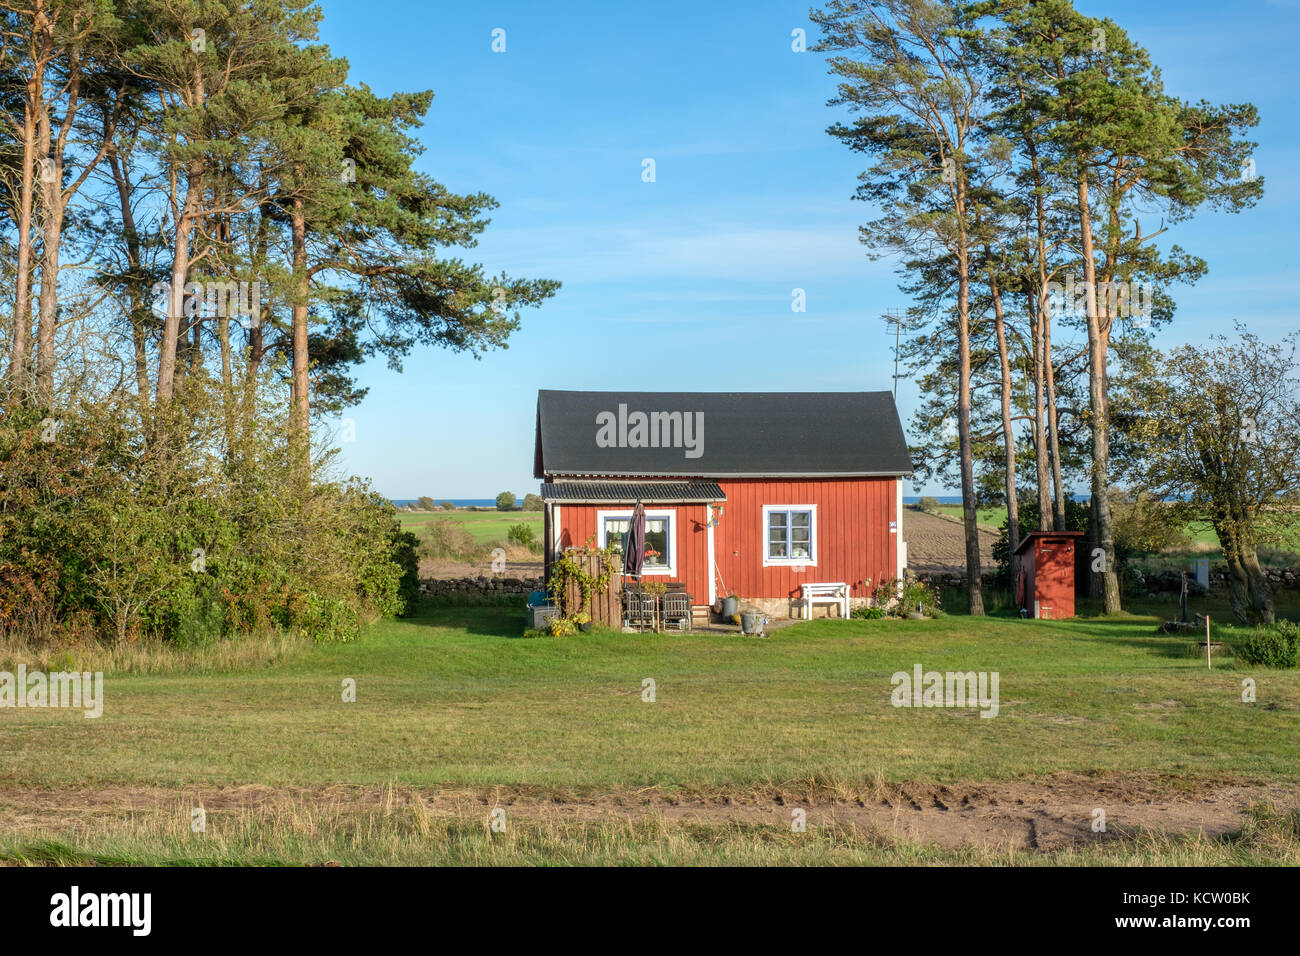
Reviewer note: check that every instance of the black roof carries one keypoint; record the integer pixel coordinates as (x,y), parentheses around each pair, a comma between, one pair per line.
(590,492)
(744,434)
(1036,535)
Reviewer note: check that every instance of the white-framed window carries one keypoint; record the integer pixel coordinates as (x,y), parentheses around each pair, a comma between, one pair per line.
(789,534)
(660,537)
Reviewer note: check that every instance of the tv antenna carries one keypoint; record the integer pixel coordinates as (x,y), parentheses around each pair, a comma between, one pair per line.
(897,318)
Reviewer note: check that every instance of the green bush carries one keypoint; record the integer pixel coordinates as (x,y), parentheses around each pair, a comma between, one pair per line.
(522,535)
(1276,646)
(506,501)
(445,540)
(533,502)
(102,531)
(913,593)
(447,506)
(203,626)
(867,613)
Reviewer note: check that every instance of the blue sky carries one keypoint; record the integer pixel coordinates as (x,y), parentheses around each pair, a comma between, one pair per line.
(685,283)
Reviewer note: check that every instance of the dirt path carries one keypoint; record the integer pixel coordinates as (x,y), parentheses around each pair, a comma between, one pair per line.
(1043,814)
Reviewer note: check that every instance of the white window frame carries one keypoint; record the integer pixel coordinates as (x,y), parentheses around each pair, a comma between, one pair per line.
(808,562)
(623,513)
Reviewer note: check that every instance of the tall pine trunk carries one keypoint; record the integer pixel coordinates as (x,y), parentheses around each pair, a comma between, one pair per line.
(1041,463)
(48,304)
(300,413)
(970,517)
(1053,429)
(1008,436)
(137,293)
(1103,557)
(18,374)
(171,338)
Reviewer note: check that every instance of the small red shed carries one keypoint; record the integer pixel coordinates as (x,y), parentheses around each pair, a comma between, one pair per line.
(1046,585)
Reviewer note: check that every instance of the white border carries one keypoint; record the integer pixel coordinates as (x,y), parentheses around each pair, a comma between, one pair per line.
(810,562)
(900,543)
(713,566)
(669,513)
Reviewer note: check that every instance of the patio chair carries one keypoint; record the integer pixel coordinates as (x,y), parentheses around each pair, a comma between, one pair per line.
(677,610)
(640,611)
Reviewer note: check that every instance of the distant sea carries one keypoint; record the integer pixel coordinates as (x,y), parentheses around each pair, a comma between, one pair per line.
(458,502)
(491,502)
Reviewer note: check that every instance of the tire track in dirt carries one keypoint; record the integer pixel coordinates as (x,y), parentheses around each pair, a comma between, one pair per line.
(1043,814)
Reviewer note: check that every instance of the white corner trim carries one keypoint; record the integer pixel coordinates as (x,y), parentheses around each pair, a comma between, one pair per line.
(557,532)
(713,568)
(900,542)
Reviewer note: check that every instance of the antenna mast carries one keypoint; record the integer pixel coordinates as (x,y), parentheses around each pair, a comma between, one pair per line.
(897,318)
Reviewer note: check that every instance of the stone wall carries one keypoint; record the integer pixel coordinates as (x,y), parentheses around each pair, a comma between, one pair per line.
(951,579)
(481,585)
(1155,583)
(1171,581)
(1165,581)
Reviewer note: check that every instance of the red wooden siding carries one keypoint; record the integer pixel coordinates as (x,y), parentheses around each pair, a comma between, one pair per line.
(853,541)
(578,523)
(1047,573)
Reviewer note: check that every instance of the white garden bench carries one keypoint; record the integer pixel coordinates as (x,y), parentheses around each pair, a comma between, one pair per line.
(834,593)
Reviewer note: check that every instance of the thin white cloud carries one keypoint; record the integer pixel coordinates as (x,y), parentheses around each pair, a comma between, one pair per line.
(609,253)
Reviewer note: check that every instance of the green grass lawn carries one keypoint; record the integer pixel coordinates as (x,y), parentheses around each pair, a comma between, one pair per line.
(1201,541)
(455,698)
(486,526)
(993,517)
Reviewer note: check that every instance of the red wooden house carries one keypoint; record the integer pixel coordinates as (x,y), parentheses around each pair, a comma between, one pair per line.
(752,494)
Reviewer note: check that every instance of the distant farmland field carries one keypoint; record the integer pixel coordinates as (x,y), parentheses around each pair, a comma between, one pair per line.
(485,526)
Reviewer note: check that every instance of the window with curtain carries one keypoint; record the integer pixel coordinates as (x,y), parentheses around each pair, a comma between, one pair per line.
(658,539)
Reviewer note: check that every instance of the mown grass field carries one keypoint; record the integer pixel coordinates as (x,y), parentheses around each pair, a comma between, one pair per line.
(1198,532)
(455,698)
(1201,540)
(485,526)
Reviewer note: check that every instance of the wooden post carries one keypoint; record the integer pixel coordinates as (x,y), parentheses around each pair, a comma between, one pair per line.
(1209,665)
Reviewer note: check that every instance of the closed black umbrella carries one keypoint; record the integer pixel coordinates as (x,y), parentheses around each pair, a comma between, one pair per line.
(634,543)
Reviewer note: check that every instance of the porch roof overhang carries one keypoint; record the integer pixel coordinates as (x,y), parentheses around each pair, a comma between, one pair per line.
(650,492)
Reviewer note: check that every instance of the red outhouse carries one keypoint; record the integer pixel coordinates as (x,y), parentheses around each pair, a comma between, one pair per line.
(1046,586)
